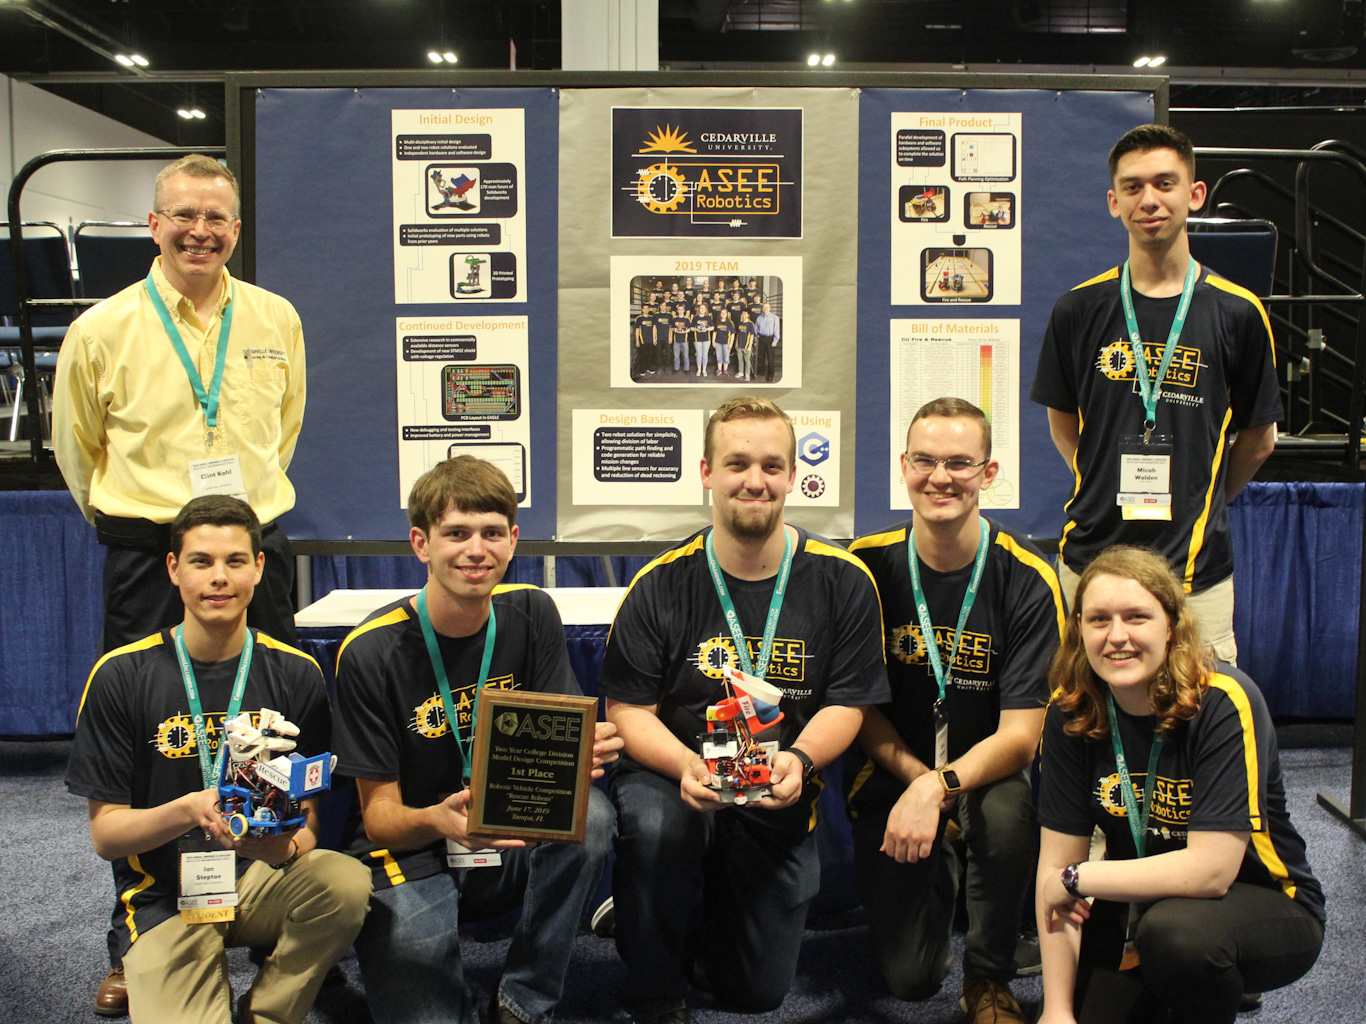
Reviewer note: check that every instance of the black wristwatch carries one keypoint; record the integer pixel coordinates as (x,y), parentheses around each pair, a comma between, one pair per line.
(1070,880)
(808,765)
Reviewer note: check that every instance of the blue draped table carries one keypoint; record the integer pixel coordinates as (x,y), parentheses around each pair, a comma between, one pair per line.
(1297,547)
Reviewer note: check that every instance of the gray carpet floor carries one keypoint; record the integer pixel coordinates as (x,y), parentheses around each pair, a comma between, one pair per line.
(52,916)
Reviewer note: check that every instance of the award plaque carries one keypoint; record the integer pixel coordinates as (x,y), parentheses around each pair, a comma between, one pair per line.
(532,765)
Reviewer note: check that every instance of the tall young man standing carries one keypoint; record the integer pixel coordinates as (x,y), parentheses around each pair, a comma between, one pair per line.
(149,742)
(781,604)
(972,614)
(1147,371)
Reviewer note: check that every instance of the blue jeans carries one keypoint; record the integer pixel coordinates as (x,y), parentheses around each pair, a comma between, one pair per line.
(752,886)
(681,354)
(409,948)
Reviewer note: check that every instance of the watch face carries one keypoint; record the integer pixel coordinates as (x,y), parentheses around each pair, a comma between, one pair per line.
(950,777)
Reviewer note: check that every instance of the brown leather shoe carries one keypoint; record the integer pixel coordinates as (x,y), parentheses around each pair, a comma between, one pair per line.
(111,998)
(987,1002)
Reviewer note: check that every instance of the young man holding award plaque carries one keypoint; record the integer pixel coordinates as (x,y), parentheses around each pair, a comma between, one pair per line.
(403,676)
(717,603)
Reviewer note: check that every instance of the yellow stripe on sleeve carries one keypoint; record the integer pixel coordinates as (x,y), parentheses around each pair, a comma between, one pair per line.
(137,645)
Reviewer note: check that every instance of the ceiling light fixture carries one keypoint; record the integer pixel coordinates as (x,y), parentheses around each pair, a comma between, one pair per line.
(198,114)
(1156,61)
(139,60)
(434,57)
(449,57)
(828,59)
(813,59)
(1142,62)
(124,59)
(184,113)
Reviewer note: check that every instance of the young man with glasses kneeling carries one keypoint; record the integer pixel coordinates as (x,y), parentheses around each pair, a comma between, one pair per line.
(972,614)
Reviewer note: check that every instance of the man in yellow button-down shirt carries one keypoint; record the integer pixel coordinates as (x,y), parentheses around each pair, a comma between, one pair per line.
(144,418)
(185,384)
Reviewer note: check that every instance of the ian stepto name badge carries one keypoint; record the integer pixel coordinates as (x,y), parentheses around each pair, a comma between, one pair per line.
(1145,478)
(208,885)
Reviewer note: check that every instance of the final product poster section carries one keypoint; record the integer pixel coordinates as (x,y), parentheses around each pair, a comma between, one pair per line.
(462,390)
(957,188)
(459,215)
(975,360)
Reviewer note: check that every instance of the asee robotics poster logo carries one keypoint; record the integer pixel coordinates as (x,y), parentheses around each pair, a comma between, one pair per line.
(706,172)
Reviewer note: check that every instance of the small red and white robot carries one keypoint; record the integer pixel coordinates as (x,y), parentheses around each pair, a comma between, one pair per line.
(741,766)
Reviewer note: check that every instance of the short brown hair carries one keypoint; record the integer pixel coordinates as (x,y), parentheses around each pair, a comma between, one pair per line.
(464,483)
(746,407)
(1175,692)
(197,165)
(1147,137)
(950,408)
(215,510)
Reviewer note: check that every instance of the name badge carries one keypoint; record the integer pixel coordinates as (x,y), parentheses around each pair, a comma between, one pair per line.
(1145,478)
(458,856)
(222,475)
(941,735)
(208,883)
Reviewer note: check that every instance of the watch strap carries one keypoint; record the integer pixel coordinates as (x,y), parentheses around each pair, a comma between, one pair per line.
(808,765)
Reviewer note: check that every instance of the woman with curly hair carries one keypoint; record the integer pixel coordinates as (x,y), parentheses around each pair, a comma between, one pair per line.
(1204,890)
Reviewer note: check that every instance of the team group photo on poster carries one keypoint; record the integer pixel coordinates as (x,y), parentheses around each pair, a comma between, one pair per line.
(706,321)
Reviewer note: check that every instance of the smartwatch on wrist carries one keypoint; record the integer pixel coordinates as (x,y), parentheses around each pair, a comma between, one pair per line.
(1070,880)
(808,765)
(948,778)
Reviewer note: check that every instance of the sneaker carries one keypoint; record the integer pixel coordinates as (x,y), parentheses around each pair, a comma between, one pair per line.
(604,922)
(1250,1001)
(987,1002)
(1028,962)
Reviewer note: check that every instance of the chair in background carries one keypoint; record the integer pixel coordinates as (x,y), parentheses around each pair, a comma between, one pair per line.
(111,255)
(49,277)
(1241,251)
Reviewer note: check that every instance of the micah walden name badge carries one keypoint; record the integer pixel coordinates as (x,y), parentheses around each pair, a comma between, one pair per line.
(1145,478)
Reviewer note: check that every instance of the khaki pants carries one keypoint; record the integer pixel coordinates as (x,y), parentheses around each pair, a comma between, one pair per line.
(1213,610)
(310,912)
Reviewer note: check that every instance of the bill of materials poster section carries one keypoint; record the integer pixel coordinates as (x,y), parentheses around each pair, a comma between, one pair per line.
(976,360)
(459,216)
(957,188)
(462,390)
(695,302)
(635,457)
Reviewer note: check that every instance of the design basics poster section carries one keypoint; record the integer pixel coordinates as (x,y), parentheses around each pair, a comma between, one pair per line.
(462,390)
(637,456)
(976,360)
(957,191)
(459,215)
(706,172)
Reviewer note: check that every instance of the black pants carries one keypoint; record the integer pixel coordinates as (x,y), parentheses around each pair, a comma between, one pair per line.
(139,598)
(1196,957)
(764,343)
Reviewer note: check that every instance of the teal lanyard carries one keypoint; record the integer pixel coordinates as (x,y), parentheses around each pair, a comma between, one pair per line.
(208,400)
(775,607)
(443,684)
(922,607)
(1137,826)
(209,770)
(1150,387)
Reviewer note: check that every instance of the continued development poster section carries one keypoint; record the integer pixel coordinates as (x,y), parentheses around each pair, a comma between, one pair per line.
(706,322)
(957,189)
(628,457)
(459,215)
(462,390)
(976,360)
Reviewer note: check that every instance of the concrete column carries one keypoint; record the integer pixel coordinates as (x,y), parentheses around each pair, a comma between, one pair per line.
(609,35)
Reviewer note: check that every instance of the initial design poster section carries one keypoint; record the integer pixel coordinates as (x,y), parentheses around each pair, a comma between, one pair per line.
(957,197)
(459,216)
(462,390)
(976,360)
